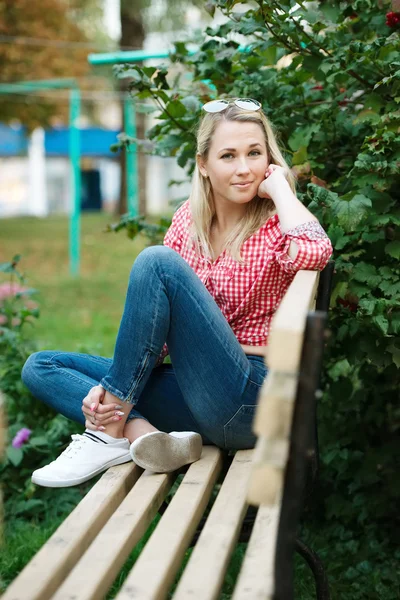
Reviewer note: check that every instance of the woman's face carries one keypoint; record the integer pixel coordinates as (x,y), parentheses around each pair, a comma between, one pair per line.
(236,162)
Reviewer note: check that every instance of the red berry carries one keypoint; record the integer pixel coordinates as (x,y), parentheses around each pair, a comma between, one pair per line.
(392,19)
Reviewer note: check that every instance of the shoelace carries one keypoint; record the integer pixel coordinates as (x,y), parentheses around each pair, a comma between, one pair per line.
(77,443)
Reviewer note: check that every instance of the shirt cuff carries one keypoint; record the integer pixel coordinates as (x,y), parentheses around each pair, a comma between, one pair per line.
(314,248)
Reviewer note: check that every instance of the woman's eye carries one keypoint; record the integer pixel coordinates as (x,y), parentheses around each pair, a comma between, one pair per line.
(227,155)
(255,153)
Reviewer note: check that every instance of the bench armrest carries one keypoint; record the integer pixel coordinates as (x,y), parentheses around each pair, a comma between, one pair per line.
(273,420)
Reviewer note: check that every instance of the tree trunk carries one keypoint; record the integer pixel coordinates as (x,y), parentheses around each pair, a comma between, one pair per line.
(132,34)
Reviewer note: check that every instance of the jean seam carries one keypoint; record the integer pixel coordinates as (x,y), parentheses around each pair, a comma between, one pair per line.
(135,384)
(136,379)
(233,417)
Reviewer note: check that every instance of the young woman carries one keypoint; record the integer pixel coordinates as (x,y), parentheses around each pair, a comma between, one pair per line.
(206,297)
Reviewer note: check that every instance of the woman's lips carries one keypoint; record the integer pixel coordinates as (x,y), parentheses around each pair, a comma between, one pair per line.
(243,185)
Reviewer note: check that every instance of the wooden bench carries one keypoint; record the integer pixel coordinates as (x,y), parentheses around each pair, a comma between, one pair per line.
(257,496)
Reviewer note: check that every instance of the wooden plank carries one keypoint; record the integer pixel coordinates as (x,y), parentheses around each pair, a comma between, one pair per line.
(256,577)
(273,420)
(47,569)
(275,405)
(99,566)
(287,327)
(267,472)
(157,565)
(205,571)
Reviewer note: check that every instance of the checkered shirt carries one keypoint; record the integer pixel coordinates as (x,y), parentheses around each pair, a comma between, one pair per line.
(248,294)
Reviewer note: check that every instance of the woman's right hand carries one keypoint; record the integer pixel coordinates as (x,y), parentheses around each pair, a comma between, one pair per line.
(99,415)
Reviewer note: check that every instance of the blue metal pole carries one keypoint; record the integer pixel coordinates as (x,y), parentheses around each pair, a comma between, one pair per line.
(132,187)
(75,204)
(127,56)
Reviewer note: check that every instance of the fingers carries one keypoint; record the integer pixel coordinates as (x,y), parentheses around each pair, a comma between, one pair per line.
(271,168)
(95,397)
(89,425)
(102,409)
(97,414)
(102,418)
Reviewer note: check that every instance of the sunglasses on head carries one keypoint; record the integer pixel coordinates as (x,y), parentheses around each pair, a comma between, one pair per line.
(215,106)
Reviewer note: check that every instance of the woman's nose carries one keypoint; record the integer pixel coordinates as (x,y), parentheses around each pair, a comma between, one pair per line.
(242,166)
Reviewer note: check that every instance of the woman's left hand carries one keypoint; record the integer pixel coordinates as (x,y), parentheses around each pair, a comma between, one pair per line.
(275,178)
(99,415)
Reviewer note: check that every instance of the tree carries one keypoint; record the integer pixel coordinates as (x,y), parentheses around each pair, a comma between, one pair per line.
(46,27)
(138,19)
(132,35)
(327,75)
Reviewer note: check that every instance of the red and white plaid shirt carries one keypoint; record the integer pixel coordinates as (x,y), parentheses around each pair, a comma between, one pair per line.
(248,294)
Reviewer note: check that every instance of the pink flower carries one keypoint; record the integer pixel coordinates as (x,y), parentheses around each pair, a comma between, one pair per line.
(21,437)
(8,290)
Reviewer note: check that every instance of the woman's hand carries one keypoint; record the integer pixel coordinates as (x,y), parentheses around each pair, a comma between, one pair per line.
(275,179)
(99,415)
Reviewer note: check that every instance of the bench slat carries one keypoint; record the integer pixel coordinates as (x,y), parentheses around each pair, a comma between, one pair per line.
(157,565)
(99,566)
(47,569)
(205,571)
(256,577)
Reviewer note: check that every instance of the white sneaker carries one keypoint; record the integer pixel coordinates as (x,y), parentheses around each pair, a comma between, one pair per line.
(165,452)
(86,456)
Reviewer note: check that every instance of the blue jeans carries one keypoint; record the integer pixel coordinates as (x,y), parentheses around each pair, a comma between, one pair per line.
(211,386)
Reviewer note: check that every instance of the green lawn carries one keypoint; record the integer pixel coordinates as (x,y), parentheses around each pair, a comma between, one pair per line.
(77,313)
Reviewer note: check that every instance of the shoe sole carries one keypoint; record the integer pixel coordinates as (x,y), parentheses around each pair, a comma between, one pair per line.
(153,452)
(38,480)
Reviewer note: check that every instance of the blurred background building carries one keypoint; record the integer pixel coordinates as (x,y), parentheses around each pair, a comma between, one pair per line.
(34,137)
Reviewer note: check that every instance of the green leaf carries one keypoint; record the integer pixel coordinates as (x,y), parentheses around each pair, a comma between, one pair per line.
(14,455)
(350,213)
(395,352)
(302,136)
(366,273)
(300,156)
(367,306)
(340,369)
(176,109)
(39,440)
(393,249)
(382,323)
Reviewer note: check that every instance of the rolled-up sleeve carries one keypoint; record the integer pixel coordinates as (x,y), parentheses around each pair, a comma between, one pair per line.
(314,248)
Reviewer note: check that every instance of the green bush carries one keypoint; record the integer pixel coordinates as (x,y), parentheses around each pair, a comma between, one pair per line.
(328,77)
(42,433)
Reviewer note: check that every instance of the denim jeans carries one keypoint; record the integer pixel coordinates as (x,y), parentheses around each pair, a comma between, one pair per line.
(211,386)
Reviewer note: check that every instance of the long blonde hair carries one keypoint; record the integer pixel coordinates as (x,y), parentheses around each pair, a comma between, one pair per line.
(201,199)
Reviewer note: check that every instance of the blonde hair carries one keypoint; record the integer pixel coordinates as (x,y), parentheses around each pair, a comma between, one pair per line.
(201,200)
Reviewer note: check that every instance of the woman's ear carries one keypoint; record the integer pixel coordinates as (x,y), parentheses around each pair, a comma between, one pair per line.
(201,165)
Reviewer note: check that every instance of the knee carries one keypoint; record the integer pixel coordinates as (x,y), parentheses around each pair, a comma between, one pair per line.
(33,367)
(155,256)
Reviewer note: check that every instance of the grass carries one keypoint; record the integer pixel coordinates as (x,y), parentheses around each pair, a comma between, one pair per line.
(77,313)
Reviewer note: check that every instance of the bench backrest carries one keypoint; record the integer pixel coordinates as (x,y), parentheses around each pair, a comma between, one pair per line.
(285,421)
